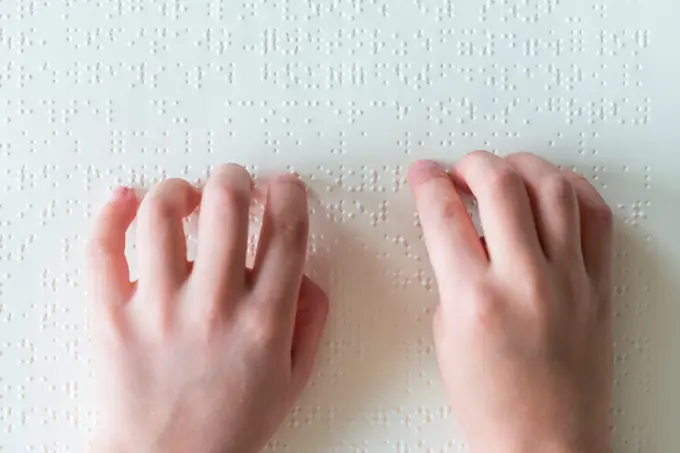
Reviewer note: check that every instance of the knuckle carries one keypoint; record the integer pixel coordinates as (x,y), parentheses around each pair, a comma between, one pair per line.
(558,188)
(447,208)
(533,288)
(210,321)
(535,292)
(292,230)
(485,308)
(504,179)
(260,328)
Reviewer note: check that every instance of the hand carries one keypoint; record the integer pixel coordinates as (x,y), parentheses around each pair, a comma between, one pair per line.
(523,329)
(203,357)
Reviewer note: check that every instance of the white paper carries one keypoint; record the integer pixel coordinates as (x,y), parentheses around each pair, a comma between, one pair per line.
(94,94)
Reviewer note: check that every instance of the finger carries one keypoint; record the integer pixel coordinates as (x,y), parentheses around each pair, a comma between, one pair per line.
(554,205)
(452,243)
(282,248)
(161,244)
(596,231)
(223,232)
(107,266)
(504,208)
(310,320)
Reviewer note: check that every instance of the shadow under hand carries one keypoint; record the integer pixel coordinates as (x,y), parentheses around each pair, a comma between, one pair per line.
(378,328)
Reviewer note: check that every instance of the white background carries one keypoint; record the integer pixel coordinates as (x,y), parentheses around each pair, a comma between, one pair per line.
(94,94)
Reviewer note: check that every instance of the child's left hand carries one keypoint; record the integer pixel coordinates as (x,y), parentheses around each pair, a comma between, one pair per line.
(205,357)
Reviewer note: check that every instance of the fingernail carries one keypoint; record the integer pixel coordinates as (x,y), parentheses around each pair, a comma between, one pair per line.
(289,177)
(428,165)
(121,193)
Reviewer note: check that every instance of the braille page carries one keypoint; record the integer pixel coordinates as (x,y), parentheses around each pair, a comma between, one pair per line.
(96,94)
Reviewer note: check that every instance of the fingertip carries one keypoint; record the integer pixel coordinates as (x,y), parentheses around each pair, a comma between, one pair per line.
(114,218)
(478,167)
(123,196)
(422,171)
(223,235)
(194,197)
(120,193)
(119,211)
(288,178)
(173,196)
(107,265)
(480,154)
(472,159)
(232,176)
(232,169)
(520,156)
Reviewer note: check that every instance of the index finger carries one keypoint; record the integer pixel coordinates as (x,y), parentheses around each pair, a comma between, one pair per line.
(453,246)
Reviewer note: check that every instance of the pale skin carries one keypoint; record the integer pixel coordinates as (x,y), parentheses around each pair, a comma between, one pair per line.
(208,357)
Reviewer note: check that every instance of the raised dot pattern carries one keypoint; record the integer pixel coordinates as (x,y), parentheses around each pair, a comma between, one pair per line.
(96,94)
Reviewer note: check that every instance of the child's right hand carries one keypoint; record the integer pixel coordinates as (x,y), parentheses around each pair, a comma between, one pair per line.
(523,330)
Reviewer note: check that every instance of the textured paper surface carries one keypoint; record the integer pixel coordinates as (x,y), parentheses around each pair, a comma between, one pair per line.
(94,94)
